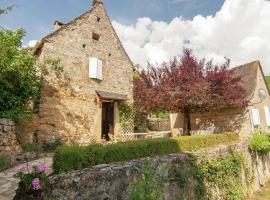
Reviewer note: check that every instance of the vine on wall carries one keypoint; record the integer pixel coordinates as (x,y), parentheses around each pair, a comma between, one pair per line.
(206,178)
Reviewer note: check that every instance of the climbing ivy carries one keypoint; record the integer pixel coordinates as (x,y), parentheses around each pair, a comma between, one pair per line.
(150,186)
(213,178)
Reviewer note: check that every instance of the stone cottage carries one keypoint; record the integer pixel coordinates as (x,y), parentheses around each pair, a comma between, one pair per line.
(81,104)
(242,121)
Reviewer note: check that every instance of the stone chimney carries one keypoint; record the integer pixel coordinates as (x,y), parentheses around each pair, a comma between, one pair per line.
(57,25)
(95,2)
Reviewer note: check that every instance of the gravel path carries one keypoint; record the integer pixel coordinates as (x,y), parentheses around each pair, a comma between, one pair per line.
(9,184)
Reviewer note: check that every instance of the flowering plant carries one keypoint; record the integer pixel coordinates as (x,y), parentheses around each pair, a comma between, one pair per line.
(35,180)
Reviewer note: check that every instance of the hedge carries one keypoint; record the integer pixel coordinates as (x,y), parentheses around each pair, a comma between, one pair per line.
(196,142)
(74,157)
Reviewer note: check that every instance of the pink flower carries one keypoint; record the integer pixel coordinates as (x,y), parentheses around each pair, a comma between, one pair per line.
(41,167)
(36,184)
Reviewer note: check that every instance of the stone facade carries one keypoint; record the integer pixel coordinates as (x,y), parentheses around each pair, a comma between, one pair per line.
(8,141)
(70,107)
(236,120)
(115,181)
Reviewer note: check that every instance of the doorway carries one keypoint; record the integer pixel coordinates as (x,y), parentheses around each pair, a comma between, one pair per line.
(107,120)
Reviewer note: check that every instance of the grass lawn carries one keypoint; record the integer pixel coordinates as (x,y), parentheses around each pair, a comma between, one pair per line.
(264,195)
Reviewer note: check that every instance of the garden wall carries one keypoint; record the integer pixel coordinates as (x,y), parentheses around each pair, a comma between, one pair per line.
(115,181)
(8,140)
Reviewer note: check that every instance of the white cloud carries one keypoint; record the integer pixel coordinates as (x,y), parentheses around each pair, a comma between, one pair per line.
(239,31)
(32,43)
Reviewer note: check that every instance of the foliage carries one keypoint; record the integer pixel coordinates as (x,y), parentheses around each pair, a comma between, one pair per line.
(5,162)
(260,142)
(29,147)
(73,157)
(151,185)
(34,181)
(196,142)
(222,175)
(21,76)
(268,81)
(6,10)
(180,176)
(126,115)
(19,79)
(161,115)
(51,146)
(188,85)
(68,158)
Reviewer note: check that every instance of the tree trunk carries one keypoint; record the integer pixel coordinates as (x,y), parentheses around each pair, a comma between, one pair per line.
(187,125)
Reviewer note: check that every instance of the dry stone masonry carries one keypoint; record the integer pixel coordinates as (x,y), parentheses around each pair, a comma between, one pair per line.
(115,181)
(8,141)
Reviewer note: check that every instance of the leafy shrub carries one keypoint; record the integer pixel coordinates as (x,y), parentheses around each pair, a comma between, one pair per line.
(150,187)
(196,142)
(32,183)
(29,147)
(260,142)
(73,157)
(5,162)
(51,146)
(224,174)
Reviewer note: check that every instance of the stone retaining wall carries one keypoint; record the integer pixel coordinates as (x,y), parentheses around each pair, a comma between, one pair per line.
(115,181)
(8,141)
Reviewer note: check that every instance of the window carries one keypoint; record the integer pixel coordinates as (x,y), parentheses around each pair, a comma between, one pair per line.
(255,116)
(267,115)
(95,36)
(95,68)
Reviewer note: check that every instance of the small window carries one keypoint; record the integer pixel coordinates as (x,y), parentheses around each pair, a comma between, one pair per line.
(98,18)
(95,36)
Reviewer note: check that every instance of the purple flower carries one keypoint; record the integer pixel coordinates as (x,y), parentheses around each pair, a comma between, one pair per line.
(41,167)
(36,184)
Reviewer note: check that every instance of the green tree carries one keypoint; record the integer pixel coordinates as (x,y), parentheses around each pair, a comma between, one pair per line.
(20,76)
(5,10)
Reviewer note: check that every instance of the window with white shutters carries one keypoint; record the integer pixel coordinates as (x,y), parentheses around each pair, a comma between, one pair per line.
(267,115)
(255,116)
(95,68)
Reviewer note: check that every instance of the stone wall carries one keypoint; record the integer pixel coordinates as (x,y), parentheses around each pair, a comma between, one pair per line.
(115,181)
(227,120)
(8,140)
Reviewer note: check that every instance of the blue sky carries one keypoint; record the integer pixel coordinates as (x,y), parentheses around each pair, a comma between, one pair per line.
(37,16)
(156,30)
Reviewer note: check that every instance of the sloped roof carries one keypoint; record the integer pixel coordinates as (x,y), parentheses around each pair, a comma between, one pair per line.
(41,42)
(248,73)
(111,95)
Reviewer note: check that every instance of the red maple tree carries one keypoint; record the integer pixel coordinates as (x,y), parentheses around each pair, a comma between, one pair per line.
(188,85)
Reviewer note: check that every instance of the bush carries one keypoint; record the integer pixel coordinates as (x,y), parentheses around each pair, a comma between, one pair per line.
(260,142)
(5,162)
(51,146)
(196,142)
(73,157)
(29,148)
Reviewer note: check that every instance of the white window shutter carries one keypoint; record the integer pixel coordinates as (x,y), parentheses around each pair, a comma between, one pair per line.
(267,115)
(93,67)
(99,70)
(256,117)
